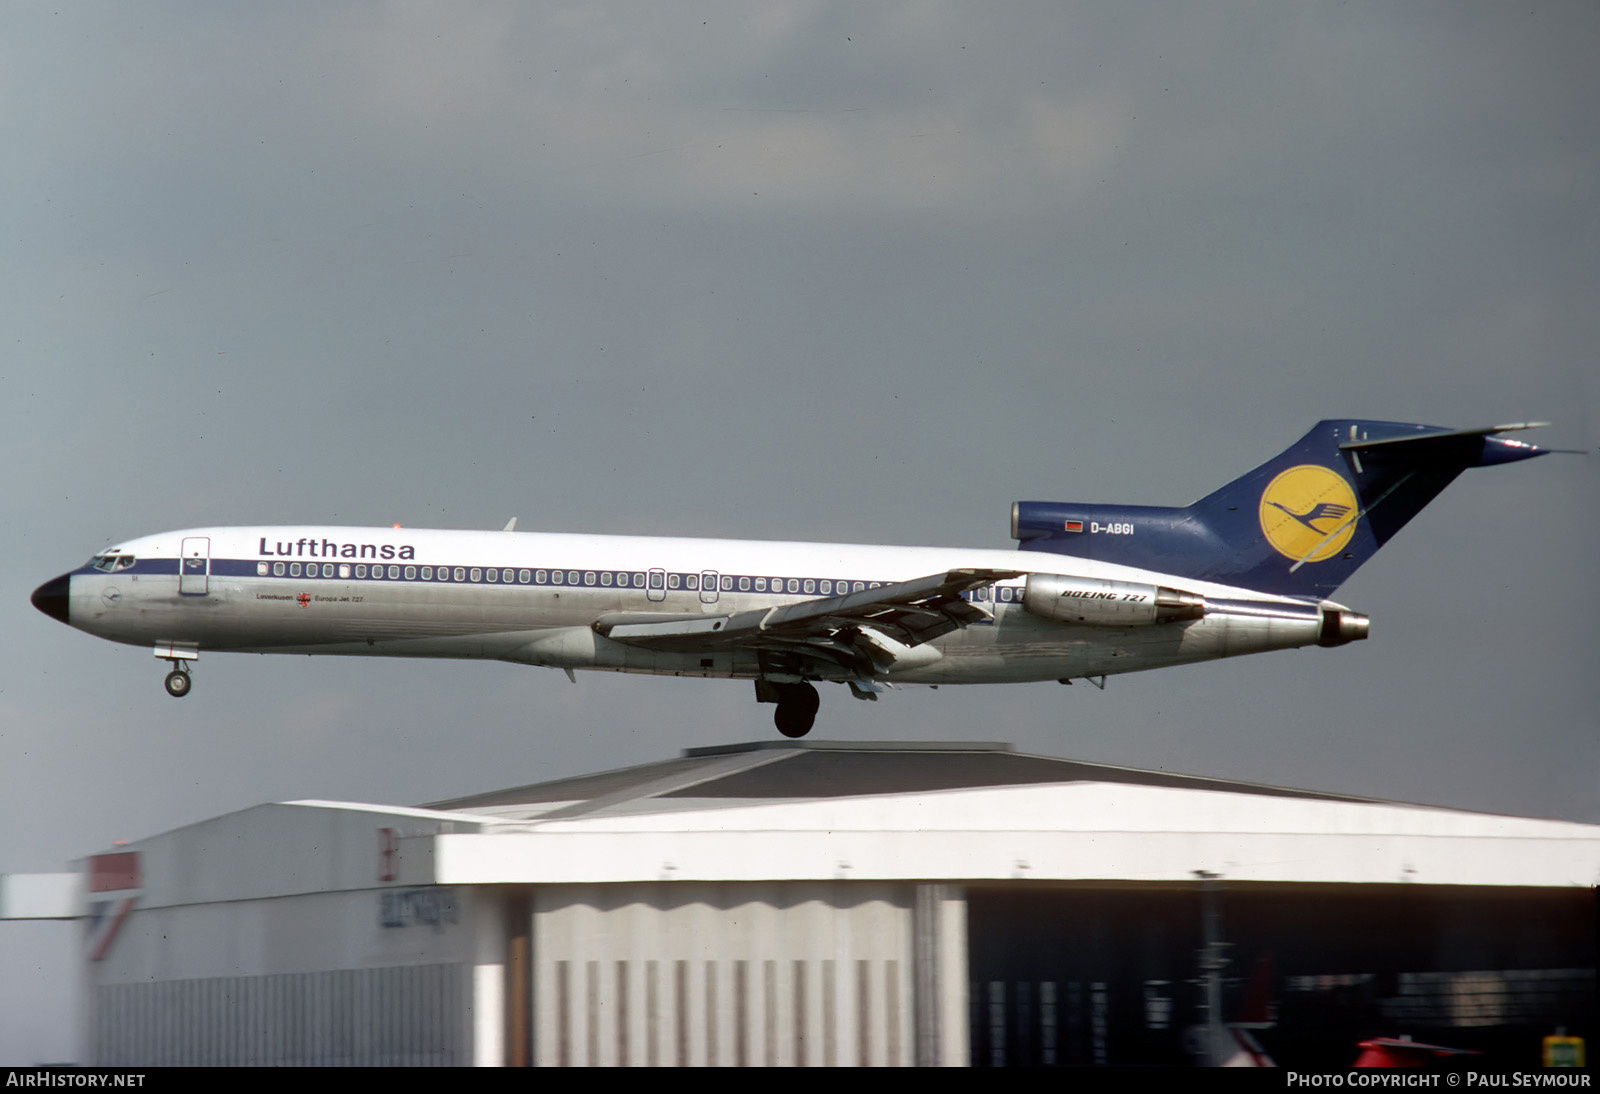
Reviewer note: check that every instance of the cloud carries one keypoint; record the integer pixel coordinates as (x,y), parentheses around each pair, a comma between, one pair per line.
(782,103)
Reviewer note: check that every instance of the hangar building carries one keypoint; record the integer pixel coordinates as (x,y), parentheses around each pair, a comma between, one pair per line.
(816,903)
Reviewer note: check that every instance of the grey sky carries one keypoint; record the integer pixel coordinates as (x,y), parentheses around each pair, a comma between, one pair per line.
(788,271)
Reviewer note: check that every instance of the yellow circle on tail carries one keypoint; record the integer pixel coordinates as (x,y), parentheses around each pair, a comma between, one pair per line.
(1308,512)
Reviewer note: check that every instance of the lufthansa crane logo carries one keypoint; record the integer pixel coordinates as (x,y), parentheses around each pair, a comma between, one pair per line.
(1306,513)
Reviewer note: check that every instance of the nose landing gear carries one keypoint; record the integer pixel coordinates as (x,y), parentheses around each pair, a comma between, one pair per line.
(178,655)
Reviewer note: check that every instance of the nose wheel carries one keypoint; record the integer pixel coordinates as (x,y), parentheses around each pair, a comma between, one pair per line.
(178,683)
(180,655)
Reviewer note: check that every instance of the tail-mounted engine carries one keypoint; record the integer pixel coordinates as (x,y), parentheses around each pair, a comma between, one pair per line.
(1101,603)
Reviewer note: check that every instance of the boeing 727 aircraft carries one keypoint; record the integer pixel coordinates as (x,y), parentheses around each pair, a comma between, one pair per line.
(1094,590)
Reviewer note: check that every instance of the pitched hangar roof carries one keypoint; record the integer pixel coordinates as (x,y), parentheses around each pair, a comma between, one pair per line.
(795,771)
(881,812)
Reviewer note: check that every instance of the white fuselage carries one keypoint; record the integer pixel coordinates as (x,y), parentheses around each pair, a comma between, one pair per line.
(535,599)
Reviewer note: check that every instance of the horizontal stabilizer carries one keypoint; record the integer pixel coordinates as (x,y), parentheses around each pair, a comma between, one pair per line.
(1442,435)
(1477,447)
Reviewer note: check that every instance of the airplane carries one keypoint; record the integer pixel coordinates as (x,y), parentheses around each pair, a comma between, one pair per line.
(1092,591)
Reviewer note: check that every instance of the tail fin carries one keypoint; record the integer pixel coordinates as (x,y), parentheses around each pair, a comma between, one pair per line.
(1298,525)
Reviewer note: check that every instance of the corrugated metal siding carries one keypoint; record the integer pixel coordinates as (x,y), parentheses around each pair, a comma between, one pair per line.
(698,974)
(401,1016)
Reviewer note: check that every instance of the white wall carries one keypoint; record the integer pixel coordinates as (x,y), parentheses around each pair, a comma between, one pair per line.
(780,973)
(375,976)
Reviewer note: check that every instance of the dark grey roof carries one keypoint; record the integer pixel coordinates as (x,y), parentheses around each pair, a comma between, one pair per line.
(829,769)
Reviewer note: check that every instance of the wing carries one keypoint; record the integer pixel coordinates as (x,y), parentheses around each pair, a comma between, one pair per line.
(862,633)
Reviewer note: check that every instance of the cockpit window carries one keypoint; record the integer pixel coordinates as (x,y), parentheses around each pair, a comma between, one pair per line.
(112,563)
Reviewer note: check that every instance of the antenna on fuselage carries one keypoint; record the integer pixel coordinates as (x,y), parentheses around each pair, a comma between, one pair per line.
(511,525)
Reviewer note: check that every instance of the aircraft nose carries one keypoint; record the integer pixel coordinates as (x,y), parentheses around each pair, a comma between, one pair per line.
(51,597)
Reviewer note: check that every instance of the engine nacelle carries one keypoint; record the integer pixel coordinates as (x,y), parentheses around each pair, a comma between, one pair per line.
(1102,603)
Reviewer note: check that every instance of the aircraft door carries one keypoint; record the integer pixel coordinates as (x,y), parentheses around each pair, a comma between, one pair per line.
(194,566)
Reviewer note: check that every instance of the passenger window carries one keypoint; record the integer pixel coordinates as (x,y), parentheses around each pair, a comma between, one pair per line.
(477,573)
(692,581)
(427,573)
(606,577)
(794,585)
(727,584)
(810,586)
(588,577)
(411,573)
(460,573)
(524,576)
(655,581)
(344,569)
(277,569)
(261,569)
(744,584)
(673,580)
(761,584)
(294,569)
(638,581)
(327,569)
(505,575)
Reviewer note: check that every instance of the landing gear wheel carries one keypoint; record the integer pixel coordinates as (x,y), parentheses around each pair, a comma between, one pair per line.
(797,710)
(792,723)
(178,683)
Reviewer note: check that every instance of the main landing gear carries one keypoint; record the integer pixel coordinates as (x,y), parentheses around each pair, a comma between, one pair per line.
(797,705)
(178,683)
